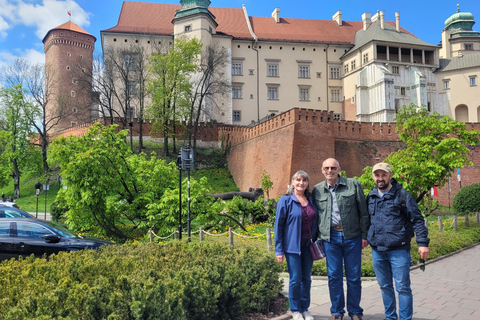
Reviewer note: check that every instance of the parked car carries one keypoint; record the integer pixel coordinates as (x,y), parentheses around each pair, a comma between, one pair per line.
(9,204)
(9,212)
(23,237)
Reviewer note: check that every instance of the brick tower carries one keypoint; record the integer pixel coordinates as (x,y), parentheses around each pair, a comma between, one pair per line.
(68,62)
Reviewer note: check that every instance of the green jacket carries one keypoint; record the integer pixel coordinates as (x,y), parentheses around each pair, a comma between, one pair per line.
(351,204)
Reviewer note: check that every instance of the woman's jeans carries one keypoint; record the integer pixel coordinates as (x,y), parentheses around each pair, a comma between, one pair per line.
(300,270)
(394,264)
(348,253)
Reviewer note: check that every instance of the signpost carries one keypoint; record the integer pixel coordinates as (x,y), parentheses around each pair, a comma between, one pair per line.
(185,161)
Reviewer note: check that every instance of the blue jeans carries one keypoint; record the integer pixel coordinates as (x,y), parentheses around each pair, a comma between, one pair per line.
(394,264)
(300,271)
(348,253)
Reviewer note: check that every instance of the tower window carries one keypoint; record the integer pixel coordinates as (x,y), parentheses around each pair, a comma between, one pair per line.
(188,28)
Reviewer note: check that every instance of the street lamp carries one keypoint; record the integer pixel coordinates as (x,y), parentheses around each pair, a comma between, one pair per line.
(185,161)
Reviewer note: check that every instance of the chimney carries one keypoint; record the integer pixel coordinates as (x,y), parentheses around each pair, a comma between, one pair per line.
(397,19)
(338,17)
(276,15)
(366,20)
(382,19)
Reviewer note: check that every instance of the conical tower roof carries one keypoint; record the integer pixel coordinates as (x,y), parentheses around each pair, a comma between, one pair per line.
(69,25)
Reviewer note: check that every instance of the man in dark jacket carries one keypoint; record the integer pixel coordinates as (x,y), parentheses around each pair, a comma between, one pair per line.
(394,216)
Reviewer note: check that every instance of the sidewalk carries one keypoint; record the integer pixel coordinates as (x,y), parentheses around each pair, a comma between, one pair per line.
(448,289)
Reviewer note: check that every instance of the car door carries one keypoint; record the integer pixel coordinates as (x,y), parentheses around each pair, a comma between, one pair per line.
(6,241)
(30,239)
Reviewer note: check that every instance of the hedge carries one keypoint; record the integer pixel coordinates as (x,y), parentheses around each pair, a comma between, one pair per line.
(177,280)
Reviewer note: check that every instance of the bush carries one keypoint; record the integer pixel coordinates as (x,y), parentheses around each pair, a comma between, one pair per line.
(144,281)
(467,199)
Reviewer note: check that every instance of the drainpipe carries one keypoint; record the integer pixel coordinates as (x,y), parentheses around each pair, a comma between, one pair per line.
(328,77)
(254,43)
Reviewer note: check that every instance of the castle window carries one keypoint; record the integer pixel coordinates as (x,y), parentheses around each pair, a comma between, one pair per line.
(81,57)
(395,69)
(402,91)
(334,72)
(74,110)
(68,68)
(304,94)
(130,62)
(353,64)
(272,69)
(304,71)
(188,28)
(236,91)
(473,81)
(237,115)
(335,95)
(468,46)
(365,57)
(73,123)
(345,68)
(446,84)
(237,68)
(74,81)
(250,72)
(69,54)
(131,88)
(319,74)
(72,93)
(273,93)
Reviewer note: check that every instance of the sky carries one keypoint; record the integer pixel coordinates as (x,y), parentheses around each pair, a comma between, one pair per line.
(24,23)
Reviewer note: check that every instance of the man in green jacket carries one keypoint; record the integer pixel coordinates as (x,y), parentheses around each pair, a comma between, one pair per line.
(343,227)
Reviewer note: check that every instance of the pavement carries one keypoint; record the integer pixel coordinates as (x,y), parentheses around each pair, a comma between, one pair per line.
(41,215)
(449,288)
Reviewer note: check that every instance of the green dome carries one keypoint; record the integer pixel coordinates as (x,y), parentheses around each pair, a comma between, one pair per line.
(460,20)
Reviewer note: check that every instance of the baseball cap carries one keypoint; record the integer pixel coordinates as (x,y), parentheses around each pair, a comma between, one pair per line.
(382,166)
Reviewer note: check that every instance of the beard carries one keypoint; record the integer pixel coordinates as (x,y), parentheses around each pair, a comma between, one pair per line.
(382,185)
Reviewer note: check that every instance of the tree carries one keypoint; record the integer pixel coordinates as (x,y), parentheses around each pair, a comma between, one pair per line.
(16,131)
(170,84)
(209,84)
(38,82)
(434,146)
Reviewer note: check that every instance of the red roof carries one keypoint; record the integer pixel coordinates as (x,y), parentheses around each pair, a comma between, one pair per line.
(68,26)
(156,18)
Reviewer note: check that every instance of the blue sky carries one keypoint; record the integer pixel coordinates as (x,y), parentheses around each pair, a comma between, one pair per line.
(24,23)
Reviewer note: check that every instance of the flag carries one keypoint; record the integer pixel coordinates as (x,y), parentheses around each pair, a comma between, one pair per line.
(458,175)
(69,13)
(435,191)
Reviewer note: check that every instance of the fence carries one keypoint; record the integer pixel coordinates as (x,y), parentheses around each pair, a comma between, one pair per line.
(454,222)
(203,233)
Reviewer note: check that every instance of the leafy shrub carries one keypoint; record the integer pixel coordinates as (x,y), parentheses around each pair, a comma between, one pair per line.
(467,199)
(57,210)
(144,281)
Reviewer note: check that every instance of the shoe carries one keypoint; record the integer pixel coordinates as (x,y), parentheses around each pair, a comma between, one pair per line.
(336,317)
(357,318)
(307,315)
(297,316)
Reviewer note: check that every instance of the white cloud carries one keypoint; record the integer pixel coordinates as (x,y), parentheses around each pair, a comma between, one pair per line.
(31,55)
(51,14)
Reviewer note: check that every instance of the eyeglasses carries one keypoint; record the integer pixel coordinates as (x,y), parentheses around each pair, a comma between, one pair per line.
(329,168)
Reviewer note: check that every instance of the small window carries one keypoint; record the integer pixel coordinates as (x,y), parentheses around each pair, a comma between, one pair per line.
(130,62)
(345,68)
(304,94)
(365,58)
(188,28)
(272,93)
(468,46)
(72,93)
(395,70)
(68,68)
(69,54)
(303,71)
(446,84)
(236,92)
(237,115)
(74,110)
(335,73)
(73,123)
(131,88)
(237,68)
(353,64)
(473,81)
(74,81)
(250,72)
(402,91)
(319,74)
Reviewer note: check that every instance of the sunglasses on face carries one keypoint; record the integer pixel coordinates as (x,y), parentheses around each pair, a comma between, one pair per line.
(329,168)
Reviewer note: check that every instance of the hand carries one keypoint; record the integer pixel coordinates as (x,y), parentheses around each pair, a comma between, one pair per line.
(423,252)
(364,243)
(280,258)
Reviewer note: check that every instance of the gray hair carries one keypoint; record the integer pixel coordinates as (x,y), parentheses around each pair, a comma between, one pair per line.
(305,176)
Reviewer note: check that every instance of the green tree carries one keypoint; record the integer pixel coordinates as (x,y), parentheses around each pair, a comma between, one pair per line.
(467,199)
(266,182)
(171,70)
(434,146)
(16,148)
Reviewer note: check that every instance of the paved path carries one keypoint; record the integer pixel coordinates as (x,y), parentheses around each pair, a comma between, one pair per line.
(448,289)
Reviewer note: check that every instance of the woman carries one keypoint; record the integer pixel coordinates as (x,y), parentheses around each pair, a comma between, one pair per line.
(295,224)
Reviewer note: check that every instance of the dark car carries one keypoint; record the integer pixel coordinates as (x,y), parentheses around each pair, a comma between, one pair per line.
(9,204)
(9,212)
(23,237)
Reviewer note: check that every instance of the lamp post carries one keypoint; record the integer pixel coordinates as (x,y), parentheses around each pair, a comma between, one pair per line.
(185,162)
(179,165)
(38,185)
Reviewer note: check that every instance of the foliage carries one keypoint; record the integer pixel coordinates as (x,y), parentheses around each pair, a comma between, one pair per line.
(146,281)
(434,147)
(220,179)
(266,182)
(467,199)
